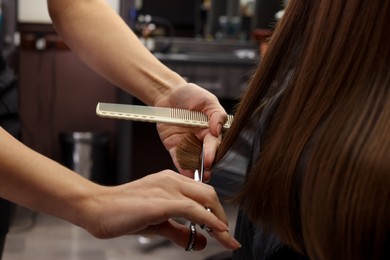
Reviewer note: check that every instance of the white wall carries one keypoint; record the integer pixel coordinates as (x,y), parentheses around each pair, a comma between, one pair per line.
(35,11)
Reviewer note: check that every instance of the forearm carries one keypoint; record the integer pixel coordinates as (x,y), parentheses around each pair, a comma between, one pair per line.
(36,182)
(102,39)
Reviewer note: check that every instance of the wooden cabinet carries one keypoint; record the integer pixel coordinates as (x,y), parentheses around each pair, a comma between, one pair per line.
(59,93)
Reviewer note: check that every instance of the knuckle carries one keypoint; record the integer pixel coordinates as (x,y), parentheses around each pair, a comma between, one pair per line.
(212,194)
(188,207)
(211,191)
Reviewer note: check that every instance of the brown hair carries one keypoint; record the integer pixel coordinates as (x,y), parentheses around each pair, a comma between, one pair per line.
(322,179)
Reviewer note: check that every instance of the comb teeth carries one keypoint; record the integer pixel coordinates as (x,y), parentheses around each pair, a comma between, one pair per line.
(188,115)
(195,117)
(229,121)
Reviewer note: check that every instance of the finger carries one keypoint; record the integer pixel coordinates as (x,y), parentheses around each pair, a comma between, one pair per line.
(191,201)
(226,239)
(187,173)
(206,197)
(216,120)
(180,234)
(221,235)
(175,232)
(190,204)
(210,144)
(206,176)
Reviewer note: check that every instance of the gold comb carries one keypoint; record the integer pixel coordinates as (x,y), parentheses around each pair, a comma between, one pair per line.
(176,116)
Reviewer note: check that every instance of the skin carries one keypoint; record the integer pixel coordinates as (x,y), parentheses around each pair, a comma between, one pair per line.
(146,206)
(122,59)
(171,136)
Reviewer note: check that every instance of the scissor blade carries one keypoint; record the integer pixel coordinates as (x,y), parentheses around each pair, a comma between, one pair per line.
(202,164)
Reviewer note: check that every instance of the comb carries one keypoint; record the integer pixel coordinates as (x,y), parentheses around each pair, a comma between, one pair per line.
(176,116)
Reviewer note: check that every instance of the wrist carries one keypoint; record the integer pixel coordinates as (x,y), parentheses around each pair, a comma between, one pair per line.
(167,87)
(157,82)
(88,209)
(172,95)
(98,210)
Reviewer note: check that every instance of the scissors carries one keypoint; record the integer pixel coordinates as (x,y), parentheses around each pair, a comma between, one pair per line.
(198,176)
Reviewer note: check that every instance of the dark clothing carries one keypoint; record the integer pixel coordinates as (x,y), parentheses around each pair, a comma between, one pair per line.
(6,209)
(9,120)
(259,245)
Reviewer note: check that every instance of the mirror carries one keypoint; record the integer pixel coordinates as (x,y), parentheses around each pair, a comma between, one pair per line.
(236,19)
(209,19)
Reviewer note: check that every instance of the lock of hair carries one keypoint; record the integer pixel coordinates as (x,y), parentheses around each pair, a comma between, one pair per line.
(188,152)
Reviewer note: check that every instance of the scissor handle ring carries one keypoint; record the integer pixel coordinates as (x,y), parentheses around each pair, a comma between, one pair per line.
(192,238)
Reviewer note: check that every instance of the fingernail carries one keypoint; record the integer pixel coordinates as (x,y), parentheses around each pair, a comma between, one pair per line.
(235,243)
(219,129)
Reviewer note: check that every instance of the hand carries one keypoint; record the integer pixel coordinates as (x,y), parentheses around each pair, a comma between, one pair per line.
(193,97)
(147,206)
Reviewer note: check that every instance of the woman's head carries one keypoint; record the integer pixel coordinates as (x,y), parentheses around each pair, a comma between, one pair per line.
(322,178)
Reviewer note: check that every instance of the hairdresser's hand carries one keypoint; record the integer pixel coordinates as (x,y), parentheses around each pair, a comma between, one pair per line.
(193,97)
(147,205)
